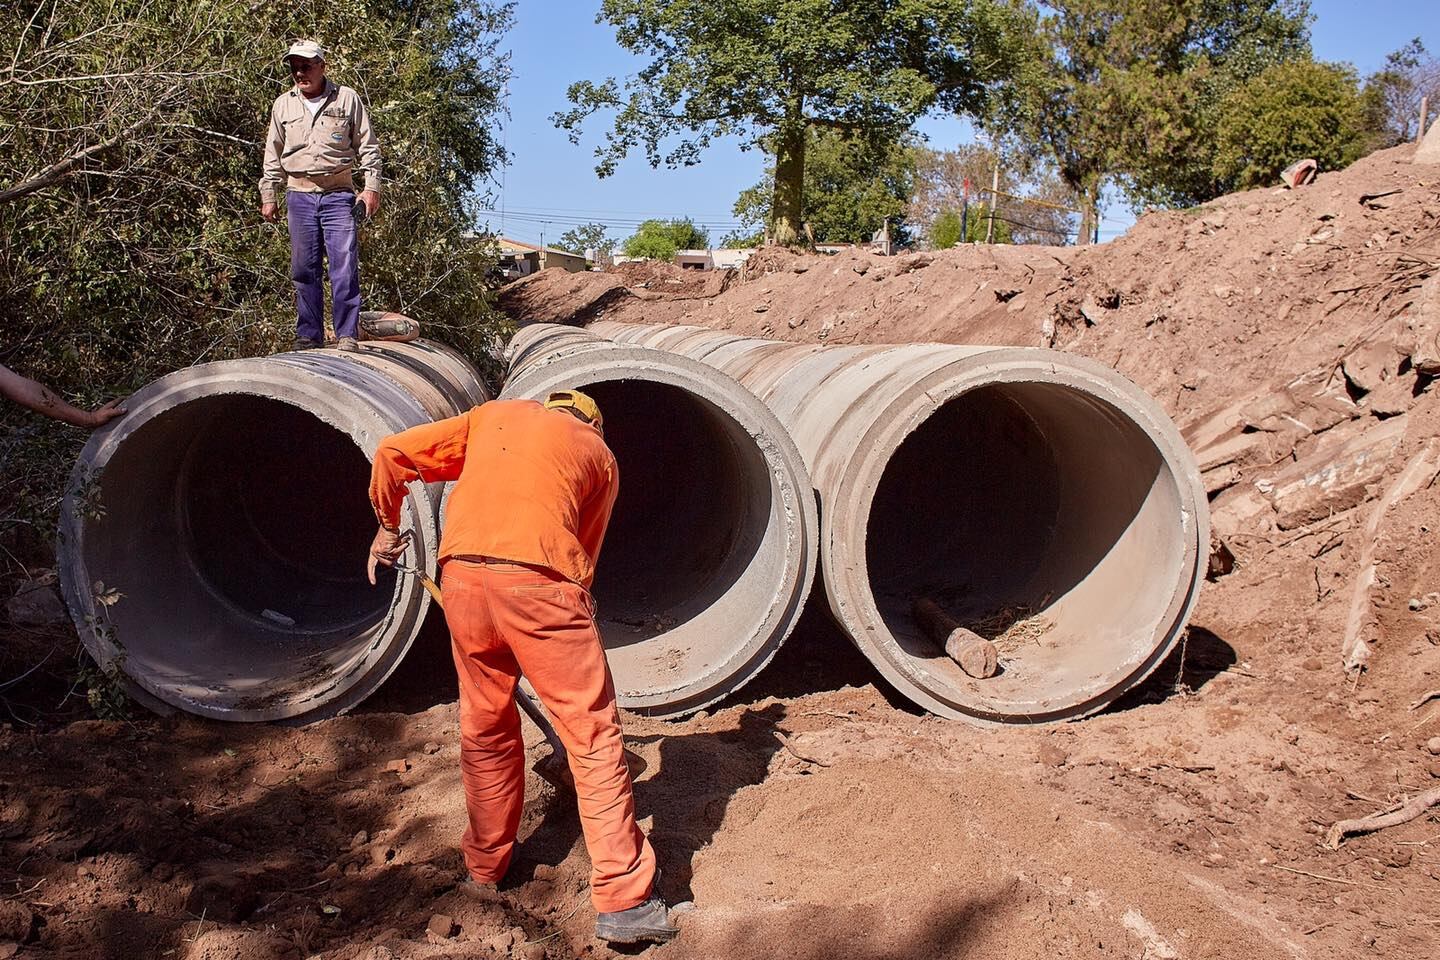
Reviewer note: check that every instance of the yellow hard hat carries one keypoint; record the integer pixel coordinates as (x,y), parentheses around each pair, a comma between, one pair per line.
(577,401)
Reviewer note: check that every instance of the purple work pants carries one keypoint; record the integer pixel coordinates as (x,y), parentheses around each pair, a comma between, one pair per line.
(322,227)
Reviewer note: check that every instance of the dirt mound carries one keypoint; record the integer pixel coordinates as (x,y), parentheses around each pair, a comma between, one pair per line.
(816,813)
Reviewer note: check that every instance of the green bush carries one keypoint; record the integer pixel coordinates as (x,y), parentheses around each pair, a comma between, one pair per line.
(147,253)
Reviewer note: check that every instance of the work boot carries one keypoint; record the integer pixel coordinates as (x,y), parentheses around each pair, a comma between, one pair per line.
(305,343)
(647,923)
(347,344)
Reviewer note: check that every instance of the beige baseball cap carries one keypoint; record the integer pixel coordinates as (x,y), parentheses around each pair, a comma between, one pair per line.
(308,49)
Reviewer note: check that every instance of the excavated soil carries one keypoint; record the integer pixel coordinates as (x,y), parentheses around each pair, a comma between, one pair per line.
(816,814)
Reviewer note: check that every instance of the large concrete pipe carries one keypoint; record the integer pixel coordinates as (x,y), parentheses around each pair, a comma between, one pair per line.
(711,550)
(1037,497)
(213,541)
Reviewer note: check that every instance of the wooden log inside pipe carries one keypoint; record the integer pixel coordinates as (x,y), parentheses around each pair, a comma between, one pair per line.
(975,655)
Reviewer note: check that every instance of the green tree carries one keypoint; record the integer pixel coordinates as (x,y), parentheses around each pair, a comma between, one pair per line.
(851,189)
(130,240)
(589,236)
(1292,110)
(946,230)
(1128,90)
(767,71)
(661,239)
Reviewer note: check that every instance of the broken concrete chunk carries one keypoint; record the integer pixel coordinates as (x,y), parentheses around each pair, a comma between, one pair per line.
(1220,478)
(1392,399)
(1333,477)
(1420,335)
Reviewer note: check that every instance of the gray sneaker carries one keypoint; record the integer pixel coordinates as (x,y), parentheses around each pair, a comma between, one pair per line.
(347,344)
(647,923)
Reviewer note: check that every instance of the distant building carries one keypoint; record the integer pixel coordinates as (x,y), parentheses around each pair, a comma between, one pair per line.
(694,260)
(518,259)
(730,258)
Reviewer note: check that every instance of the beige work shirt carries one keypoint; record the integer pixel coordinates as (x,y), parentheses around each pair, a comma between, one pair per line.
(317,153)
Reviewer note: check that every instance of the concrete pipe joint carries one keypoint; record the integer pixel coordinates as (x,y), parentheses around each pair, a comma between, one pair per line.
(1034,497)
(213,541)
(711,549)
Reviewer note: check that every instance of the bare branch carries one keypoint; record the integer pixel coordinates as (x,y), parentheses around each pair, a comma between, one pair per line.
(56,171)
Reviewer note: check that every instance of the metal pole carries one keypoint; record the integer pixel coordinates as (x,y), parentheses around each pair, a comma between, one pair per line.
(994,190)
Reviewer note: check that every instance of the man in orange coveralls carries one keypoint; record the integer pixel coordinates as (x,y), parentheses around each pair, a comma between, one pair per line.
(534,488)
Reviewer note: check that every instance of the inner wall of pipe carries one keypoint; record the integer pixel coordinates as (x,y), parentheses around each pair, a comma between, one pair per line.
(684,548)
(1042,519)
(236,529)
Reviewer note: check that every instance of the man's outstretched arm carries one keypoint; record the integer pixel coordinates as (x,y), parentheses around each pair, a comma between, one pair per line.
(41,399)
(431,452)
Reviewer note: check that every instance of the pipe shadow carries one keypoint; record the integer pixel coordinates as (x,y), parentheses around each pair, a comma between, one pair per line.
(817,657)
(1199,657)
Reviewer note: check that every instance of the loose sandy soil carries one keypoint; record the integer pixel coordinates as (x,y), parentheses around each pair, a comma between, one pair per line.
(1282,330)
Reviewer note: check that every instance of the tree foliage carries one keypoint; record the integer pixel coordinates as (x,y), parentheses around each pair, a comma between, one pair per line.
(145,252)
(1394,92)
(768,71)
(940,186)
(946,230)
(1129,90)
(1292,110)
(661,239)
(587,236)
(852,187)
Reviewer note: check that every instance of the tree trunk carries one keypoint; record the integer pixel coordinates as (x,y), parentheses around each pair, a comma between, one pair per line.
(786,207)
(1089,210)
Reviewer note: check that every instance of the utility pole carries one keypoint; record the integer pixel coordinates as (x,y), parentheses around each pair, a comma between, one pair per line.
(994,197)
(1424,116)
(965,210)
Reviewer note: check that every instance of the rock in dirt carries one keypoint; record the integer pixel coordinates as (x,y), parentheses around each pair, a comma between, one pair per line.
(16,921)
(440,928)
(1052,755)
(1433,746)
(398,766)
(224,894)
(431,748)
(8,950)
(36,603)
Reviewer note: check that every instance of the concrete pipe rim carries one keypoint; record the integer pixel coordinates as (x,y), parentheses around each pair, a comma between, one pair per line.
(845,520)
(589,360)
(260,378)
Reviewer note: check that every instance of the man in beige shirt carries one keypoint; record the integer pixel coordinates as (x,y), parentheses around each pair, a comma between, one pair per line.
(319,135)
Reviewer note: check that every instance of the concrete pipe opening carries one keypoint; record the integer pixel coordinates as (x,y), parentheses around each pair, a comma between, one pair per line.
(1042,517)
(711,547)
(214,541)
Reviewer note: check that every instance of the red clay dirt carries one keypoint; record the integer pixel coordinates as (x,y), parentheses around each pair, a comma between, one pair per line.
(818,815)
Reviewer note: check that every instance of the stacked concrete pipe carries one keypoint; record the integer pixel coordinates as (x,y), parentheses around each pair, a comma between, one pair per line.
(712,547)
(213,540)
(1005,483)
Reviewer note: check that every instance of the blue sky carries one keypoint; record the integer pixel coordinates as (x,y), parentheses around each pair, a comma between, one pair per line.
(550,183)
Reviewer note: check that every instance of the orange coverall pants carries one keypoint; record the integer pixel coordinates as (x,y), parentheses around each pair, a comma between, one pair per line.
(507,618)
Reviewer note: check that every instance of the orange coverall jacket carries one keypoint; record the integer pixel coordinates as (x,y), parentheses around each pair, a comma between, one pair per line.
(527,490)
